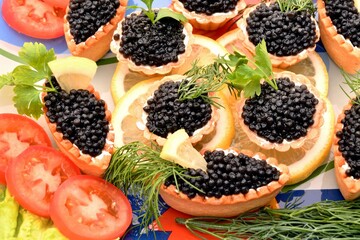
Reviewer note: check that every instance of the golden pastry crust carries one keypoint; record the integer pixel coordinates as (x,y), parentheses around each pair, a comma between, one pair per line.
(349,186)
(89,165)
(207,22)
(227,206)
(341,50)
(151,70)
(96,46)
(277,61)
(313,131)
(198,134)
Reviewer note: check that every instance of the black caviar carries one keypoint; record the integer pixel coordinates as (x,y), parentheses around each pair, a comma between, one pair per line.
(209,7)
(283,114)
(227,174)
(80,117)
(349,140)
(167,114)
(87,16)
(151,44)
(346,18)
(285,33)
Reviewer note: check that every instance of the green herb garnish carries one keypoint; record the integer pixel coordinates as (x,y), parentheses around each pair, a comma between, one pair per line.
(139,168)
(234,71)
(321,220)
(162,13)
(296,5)
(25,78)
(353,81)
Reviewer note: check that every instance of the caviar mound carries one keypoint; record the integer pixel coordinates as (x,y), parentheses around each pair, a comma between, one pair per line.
(278,60)
(313,67)
(129,118)
(92,163)
(310,131)
(348,185)
(301,161)
(341,50)
(227,205)
(97,44)
(123,78)
(205,21)
(150,42)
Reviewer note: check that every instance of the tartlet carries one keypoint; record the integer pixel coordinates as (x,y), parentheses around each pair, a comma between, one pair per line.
(231,205)
(198,134)
(313,131)
(341,50)
(277,61)
(208,22)
(148,69)
(348,185)
(88,164)
(96,46)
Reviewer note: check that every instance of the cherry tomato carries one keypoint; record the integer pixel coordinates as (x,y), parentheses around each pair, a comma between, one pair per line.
(16,134)
(88,207)
(58,3)
(34,18)
(34,176)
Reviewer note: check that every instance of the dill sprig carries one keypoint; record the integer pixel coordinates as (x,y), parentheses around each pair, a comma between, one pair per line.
(296,5)
(353,81)
(321,220)
(137,167)
(234,70)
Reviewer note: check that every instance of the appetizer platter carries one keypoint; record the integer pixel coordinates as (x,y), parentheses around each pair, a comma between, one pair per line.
(178,119)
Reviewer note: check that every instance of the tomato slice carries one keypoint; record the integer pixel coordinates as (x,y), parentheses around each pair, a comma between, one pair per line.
(34,18)
(58,3)
(34,176)
(88,207)
(17,133)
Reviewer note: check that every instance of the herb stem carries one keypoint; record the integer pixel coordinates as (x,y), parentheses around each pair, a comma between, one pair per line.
(322,220)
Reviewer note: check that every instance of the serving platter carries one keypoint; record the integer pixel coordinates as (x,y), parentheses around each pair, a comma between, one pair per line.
(321,186)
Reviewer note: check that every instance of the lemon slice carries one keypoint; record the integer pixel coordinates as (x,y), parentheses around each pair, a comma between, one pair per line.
(357,4)
(73,72)
(178,149)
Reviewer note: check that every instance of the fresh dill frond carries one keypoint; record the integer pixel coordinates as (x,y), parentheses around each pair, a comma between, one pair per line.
(321,220)
(353,81)
(296,5)
(234,70)
(136,167)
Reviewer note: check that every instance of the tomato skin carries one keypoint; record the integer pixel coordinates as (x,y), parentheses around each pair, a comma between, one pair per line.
(104,210)
(24,131)
(34,176)
(34,18)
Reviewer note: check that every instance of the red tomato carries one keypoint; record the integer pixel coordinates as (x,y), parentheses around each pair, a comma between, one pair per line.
(58,3)
(34,176)
(88,207)
(16,134)
(34,18)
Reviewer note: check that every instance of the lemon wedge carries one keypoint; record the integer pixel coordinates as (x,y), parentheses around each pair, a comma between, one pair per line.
(357,4)
(178,149)
(73,72)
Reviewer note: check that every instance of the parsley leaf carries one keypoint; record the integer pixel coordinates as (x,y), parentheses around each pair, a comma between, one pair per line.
(166,12)
(25,78)
(162,13)
(27,101)
(6,80)
(37,56)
